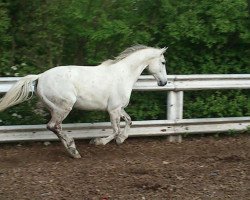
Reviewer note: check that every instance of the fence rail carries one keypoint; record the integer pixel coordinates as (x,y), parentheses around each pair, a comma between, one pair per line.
(175,82)
(173,127)
(139,128)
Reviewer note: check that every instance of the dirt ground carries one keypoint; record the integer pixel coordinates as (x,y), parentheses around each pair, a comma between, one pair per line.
(141,168)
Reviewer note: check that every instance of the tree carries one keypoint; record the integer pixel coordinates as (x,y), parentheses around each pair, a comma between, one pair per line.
(203,37)
(5,38)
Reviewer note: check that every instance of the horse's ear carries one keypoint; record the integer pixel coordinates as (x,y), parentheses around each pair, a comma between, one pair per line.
(163,50)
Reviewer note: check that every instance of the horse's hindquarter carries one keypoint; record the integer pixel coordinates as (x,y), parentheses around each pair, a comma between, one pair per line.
(56,89)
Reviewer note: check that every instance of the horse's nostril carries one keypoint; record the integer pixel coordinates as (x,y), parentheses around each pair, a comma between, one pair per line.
(160,83)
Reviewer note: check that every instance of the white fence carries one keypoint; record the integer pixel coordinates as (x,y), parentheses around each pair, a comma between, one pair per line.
(173,127)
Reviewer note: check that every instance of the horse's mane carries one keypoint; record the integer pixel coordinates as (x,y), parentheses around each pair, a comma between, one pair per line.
(129,51)
(125,54)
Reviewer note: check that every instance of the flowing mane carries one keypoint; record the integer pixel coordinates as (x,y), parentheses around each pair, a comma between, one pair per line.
(127,52)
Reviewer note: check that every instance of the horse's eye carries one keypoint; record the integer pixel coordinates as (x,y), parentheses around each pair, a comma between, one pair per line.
(163,63)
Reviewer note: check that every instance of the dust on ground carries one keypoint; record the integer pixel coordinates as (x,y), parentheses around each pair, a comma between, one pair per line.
(141,168)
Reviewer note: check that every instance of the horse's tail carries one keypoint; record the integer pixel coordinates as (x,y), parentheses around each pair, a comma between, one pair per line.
(19,92)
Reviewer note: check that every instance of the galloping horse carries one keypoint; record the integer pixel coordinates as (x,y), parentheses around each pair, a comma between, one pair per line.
(107,86)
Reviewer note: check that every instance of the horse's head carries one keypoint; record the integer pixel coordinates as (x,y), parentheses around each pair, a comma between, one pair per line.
(157,67)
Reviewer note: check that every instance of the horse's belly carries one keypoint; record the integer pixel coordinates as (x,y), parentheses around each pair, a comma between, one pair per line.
(88,103)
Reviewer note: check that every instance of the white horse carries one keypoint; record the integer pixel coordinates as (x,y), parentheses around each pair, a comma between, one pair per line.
(107,86)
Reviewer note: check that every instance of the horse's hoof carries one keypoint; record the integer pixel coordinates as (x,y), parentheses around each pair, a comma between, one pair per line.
(74,153)
(92,141)
(96,141)
(119,140)
(77,156)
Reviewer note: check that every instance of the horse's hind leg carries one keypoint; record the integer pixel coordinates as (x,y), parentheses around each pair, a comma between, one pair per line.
(55,125)
(59,96)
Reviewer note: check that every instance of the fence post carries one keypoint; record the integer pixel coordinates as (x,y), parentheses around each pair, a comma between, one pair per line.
(175,111)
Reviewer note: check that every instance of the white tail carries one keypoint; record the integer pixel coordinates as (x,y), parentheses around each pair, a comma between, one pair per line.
(19,92)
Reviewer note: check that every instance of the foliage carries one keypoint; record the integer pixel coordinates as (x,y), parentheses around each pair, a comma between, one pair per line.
(206,37)
(150,105)
(217,104)
(5,38)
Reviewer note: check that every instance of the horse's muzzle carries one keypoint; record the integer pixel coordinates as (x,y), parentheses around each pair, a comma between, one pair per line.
(162,83)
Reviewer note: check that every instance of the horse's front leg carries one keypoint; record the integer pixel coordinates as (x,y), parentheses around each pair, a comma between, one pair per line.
(115,116)
(124,134)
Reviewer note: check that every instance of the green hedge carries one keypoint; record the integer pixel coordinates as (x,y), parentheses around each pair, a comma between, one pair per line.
(204,37)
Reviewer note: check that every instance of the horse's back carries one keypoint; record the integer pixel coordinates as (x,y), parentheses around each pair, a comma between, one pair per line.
(84,87)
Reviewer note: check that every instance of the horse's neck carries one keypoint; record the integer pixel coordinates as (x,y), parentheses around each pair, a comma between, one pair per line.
(136,63)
